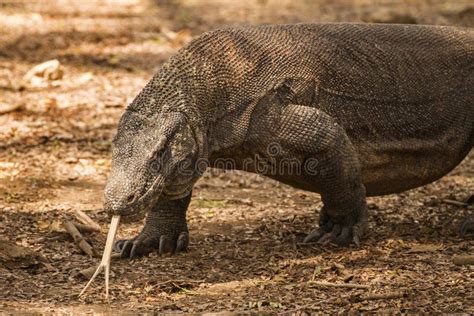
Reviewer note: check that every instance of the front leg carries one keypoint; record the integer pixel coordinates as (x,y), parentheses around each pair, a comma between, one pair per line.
(336,173)
(165,230)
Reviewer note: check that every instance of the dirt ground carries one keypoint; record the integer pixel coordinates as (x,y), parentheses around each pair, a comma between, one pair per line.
(245,253)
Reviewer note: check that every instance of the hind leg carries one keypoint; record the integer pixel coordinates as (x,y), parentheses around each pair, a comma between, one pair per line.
(312,134)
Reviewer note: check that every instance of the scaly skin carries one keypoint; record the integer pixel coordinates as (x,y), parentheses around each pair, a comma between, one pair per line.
(361,109)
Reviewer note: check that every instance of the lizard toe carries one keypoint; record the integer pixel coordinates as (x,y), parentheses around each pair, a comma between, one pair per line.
(344,237)
(142,246)
(357,233)
(182,243)
(126,248)
(340,231)
(331,236)
(318,233)
(136,247)
(166,245)
(118,245)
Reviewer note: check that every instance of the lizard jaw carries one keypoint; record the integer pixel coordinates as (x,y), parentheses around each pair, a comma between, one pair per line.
(137,209)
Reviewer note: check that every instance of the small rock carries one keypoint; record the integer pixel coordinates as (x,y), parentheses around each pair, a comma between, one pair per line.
(41,75)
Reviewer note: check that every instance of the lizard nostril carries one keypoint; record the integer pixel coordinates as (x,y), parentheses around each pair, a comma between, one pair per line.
(130,198)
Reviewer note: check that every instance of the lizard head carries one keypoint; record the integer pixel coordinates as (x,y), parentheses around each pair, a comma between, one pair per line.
(152,158)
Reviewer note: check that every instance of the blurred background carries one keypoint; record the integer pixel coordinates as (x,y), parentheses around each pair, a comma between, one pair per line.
(107,50)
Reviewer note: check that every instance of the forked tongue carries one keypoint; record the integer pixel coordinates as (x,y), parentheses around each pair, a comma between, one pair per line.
(106,256)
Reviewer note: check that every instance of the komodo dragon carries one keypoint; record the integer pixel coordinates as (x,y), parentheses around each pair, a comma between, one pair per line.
(363,110)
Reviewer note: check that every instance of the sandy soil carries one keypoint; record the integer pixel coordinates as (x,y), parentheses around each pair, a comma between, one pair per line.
(245,253)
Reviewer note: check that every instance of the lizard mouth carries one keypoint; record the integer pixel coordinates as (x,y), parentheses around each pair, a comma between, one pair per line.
(137,209)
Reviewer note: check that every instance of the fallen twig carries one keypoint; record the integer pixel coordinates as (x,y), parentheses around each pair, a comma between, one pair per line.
(454,202)
(88,272)
(83,228)
(381,296)
(78,239)
(463,260)
(179,281)
(344,285)
(86,220)
(7,108)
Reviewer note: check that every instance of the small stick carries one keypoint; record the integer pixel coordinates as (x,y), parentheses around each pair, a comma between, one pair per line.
(454,202)
(86,220)
(83,228)
(344,285)
(88,273)
(463,260)
(178,281)
(78,239)
(381,296)
(105,262)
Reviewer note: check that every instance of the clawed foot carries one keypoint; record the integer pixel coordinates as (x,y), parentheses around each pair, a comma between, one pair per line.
(142,245)
(160,234)
(341,232)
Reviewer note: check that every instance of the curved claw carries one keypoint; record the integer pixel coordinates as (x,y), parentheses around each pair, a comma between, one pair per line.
(118,245)
(314,235)
(331,236)
(357,233)
(182,243)
(318,233)
(125,251)
(341,234)
(344,237)
(134,250)
(166,245)
(143,244)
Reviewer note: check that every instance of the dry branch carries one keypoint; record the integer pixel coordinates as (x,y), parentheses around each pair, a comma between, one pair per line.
(86,220)
(88,272)
(83,228)
(78,239)
(7,108)
(454,202)
(463,260)
(381,296)
(344,285)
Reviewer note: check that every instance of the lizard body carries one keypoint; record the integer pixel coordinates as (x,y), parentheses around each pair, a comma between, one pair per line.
(360,109)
